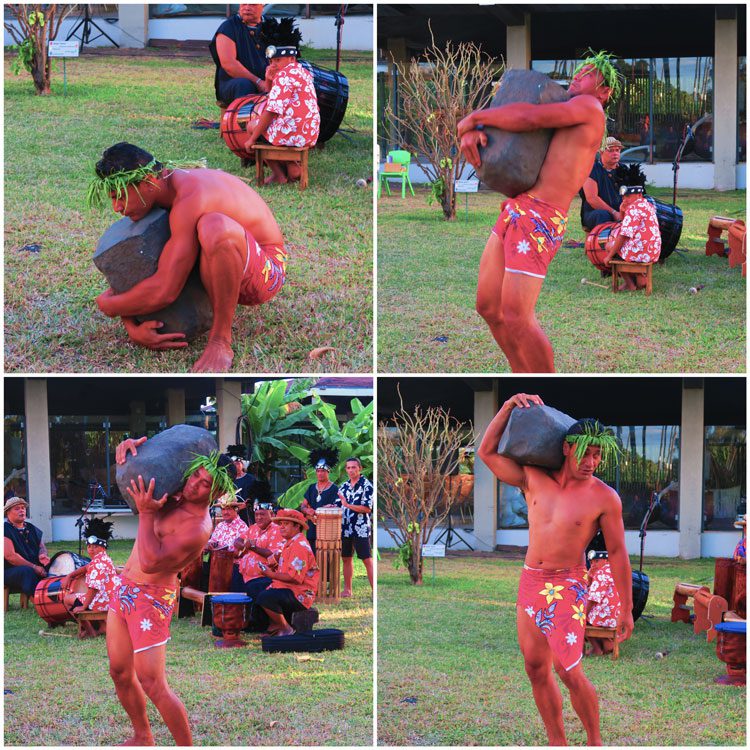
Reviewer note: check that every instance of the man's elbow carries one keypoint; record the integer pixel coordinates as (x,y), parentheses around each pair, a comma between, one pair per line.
(485,452)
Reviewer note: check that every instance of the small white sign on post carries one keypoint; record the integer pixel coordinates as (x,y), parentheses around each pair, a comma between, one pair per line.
(433,551)
(64,49)
(467,186)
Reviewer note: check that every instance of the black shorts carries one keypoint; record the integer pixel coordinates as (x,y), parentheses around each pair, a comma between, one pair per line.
(351,543)
(281,601)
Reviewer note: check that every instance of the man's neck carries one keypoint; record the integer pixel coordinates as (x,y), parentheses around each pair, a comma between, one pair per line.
(19,526)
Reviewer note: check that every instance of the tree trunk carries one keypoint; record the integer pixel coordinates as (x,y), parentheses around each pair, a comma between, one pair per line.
(41,75)
(448,200)
(415,561)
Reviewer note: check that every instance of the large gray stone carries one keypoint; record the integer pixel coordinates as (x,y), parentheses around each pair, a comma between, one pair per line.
(534,436)
(129,251)
(511,161)
(164,457)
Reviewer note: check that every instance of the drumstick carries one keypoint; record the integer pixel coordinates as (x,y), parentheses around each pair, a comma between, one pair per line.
(59,635)
(593,283)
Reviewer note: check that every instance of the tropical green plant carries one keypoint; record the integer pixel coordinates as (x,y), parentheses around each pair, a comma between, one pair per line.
(352,439)
(272,419)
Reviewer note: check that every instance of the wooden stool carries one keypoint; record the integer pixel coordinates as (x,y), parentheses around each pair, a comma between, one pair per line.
(681,610)
(265,151)
(607,634)
(8,592)
(623,266)
(91,616)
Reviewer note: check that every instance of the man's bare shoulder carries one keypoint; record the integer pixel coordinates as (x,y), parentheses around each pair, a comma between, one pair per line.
(606,495)
(586,101)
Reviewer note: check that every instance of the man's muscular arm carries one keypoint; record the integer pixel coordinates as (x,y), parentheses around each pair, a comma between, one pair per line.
(591,191)
(505,469)
(614,536)
(520,117)
(155,554)
(226,49)
(175,264)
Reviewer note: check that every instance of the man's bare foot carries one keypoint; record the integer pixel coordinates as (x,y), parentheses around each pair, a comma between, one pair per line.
(275,179)
(293,171)
(346,593)
(138,741)
(216,357)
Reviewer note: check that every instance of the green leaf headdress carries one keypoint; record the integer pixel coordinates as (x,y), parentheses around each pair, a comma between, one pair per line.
(222,483)
(586,432)
(602,61)
(101,187)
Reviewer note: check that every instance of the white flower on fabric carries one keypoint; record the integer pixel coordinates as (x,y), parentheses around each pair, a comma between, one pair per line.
(523,247)
(298,564)
(571,638)
(146,624)
(529,611)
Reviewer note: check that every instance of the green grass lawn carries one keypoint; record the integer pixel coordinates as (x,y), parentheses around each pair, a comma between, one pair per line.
(52,323)
(58,689)
(450,646)
(427,275)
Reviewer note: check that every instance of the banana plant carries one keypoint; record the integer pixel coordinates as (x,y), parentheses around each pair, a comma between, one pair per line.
(352,439)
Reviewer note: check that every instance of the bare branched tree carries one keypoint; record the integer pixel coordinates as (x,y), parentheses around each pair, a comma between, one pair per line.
(435,92)
(415,454)
(37,26)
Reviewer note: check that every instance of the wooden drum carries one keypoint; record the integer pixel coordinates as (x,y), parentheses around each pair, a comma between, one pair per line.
(220,571)
(328,552)
(234,123)
(730,648)
(596,239)
(49,599)
(230,616)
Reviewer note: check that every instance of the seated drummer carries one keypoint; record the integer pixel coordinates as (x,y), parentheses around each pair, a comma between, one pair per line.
(636,238)
(227,530)
(239,55)
(215,221)
(600,198)
(255,545)
(25,555)
(294,573)
(289,115)
(100,574)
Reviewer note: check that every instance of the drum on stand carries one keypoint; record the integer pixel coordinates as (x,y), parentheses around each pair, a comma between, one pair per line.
(670,225)
(328,552)
(234,121)
(220,571)
(49,599)
(66,562)
(230,615)
(332,90)
(596,240)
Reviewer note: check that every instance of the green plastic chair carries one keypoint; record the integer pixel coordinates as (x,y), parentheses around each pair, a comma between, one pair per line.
(403,159)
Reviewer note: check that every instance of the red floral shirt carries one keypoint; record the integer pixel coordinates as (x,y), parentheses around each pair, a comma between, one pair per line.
(604,601)
(252,565)
(297,559)
(292,97)
(102,576)
(640,228)
(225,533)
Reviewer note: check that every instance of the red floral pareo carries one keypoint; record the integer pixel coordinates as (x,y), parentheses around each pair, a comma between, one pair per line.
(640,228)
(603,597)
(293,99)
(102,576)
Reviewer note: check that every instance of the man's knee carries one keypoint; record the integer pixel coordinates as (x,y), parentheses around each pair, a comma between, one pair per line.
(120,673)
(214,229)
(538,670)
(155,686)
(594,218)
(489,310)
(572,678)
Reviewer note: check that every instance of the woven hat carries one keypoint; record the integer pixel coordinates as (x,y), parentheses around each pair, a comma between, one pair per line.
(291,515)
(12,502)
(611,143)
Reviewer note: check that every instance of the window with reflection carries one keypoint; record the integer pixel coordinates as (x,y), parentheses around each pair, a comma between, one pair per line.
(649,466)
(724,476)
(661,98)
(742,108)
(14,454)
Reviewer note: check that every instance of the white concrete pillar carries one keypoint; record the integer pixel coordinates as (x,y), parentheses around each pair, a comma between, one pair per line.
(485,482)
(175,406)
(228,410)
(691,468)
(725,104)
(133,21)
(38,484)
(518,45)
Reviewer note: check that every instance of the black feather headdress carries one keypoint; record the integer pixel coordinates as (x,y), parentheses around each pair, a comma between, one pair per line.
(99,528)
(324,458)
(630,175)
(280,37)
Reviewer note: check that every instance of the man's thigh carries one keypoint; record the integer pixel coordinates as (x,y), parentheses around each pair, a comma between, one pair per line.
(520,294)
(119,645)
(491,274)
(533,643)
